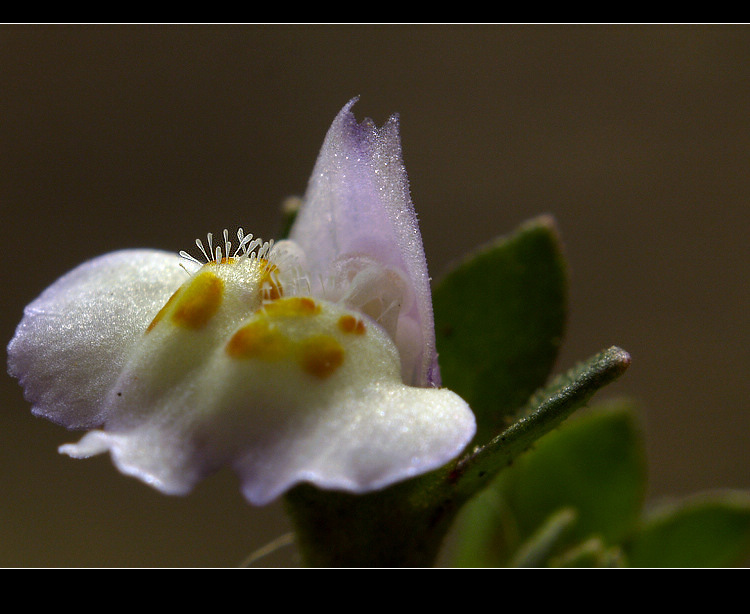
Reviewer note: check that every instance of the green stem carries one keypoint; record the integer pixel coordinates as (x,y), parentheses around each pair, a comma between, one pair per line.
(401,526)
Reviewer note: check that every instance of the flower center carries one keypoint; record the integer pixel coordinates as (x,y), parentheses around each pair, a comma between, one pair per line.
(239,298)
(296,329)
(247,247)
(241,280)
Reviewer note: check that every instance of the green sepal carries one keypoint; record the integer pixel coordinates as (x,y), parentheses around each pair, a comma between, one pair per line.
(703,530)
(499,321)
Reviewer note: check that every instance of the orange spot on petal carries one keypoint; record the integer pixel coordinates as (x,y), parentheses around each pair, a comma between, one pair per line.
(321,355)
(294,306)
(258,339)
(162,311)
(198,301)
(350,324)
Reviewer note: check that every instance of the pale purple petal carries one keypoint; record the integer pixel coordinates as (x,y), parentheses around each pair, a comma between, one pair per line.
(358,202)
(75,337)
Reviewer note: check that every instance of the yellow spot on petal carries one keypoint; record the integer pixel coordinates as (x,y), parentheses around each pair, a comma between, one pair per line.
(292,307)
(350,324)
(320,355)
(258,339)
(198,301)
(162,311)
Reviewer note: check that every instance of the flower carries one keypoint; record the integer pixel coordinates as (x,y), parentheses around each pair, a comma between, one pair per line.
(309,360)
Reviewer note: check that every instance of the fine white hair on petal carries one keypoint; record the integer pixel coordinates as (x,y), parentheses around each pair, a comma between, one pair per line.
(358,202)
(362,283)
(75,337)
(291,265)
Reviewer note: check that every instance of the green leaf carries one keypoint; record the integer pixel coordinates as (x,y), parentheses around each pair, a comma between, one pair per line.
(481,530)
(500,318)
(706,530)
(545,411)
(594,464)
(591,553)
(536,550)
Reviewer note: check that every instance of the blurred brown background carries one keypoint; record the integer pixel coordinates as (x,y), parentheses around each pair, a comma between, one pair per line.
(636,138)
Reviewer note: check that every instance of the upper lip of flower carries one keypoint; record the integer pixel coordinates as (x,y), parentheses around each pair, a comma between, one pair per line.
(311,360)
(358,202)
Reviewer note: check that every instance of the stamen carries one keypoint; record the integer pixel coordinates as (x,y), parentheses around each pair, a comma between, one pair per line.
(250,247)
(210,238)
(227,243)
(247,247)
(265,248)
(199,243)
(244,241)
(187,256)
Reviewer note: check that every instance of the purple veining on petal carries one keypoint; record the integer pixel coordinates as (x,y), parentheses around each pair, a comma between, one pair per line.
(358,202)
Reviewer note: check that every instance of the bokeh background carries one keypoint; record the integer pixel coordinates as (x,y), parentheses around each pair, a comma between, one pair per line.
(636,139)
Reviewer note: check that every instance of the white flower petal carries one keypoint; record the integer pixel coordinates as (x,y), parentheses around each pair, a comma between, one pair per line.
(74,339)
(369,439)
(348,424)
